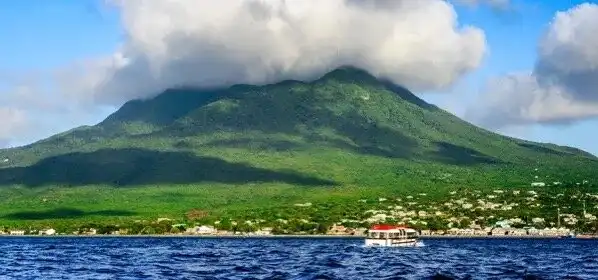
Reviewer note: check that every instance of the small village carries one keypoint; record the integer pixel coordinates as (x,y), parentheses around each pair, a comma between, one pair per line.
(336,230)
(535,212)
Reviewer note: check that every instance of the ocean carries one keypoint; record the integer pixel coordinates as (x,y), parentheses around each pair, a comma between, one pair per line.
(293,258)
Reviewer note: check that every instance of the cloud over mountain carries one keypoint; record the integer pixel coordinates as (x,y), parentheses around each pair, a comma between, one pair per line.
(214,43)
(419,44)
(563,84)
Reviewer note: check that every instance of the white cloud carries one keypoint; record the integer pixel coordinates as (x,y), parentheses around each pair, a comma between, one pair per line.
(14,121)
(563,85)
(32,108)
(419,44)
(213,43)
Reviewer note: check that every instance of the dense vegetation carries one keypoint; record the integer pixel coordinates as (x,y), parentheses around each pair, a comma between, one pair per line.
(344,137)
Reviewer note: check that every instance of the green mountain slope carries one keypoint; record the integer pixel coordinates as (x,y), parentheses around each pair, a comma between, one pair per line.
(344,131)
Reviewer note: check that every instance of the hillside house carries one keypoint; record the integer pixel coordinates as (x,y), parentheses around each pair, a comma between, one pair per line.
(538,184)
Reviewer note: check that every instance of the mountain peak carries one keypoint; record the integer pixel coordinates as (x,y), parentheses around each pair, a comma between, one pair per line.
(350,74)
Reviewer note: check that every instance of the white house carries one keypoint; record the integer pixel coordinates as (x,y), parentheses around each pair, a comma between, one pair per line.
(204,230)
(47,232)
(538,184)
(264,231)
(17,232)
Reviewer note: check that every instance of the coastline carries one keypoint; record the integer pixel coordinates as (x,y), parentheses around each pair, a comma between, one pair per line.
(182,236)
(498,237)
(290,236)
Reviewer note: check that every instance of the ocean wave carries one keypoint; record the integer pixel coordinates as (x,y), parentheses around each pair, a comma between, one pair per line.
(177,258)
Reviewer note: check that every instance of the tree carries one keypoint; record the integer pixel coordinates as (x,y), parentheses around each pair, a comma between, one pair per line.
(437,224)
(322,227)
(162,226)
(464,223)
(106,229)
(225,224)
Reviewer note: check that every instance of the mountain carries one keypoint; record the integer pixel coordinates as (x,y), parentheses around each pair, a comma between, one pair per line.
(346,129)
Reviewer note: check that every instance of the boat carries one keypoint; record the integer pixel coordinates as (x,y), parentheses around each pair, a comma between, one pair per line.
(392,236)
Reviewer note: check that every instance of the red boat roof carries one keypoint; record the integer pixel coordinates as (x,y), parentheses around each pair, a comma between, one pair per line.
(387,227)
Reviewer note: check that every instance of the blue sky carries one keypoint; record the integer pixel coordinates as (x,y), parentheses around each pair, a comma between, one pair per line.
(512,39)
(38,37)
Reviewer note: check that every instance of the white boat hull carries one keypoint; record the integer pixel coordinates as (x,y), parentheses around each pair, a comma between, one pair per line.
(391,242)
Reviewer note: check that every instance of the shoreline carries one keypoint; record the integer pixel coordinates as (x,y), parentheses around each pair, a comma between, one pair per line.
(499,237)
(290,236)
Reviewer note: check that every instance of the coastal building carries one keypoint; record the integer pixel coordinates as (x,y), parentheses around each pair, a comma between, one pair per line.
(518,232)
(500,231)
(337,230)
(50,231)
(533,231)
(264,231)
(91,231)
(17,232)
(202,230)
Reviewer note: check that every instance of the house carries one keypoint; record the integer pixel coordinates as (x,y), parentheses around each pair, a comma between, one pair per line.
(453,231)
(538,184)
(17,232)
(518,232)
(202,230)
(47,232)
(482,232)
(500,231)
(337,230)
(554,231)
(533,231)
(503,224)
(264,231)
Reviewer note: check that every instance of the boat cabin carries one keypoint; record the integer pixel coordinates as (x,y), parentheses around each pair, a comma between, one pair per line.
(389,235)
(391,232)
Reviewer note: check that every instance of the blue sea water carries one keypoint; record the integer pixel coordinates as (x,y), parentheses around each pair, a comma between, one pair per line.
(287,258)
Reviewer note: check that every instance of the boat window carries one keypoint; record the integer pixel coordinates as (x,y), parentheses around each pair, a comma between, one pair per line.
(383,235)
